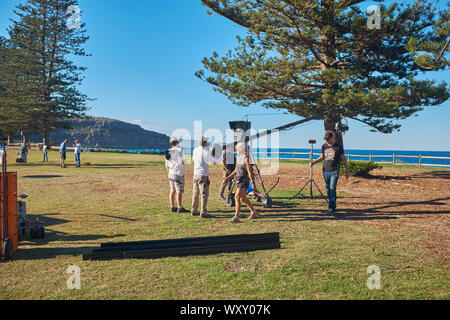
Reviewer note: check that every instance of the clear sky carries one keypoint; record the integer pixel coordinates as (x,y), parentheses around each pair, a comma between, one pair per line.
(145,53)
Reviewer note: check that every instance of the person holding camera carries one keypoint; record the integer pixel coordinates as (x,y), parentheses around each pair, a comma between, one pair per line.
(77,152)
(202,158)
(332,155)
(175,165)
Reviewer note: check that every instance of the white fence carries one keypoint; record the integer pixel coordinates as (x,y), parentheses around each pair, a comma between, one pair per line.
(370,157)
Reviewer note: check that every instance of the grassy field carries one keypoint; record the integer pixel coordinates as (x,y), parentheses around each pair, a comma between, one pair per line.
(123,197)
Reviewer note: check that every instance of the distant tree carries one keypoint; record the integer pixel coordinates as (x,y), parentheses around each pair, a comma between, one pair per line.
(311,56)
(42,44)
(12,107)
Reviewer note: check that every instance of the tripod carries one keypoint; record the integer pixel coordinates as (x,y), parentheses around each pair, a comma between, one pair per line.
(311,181)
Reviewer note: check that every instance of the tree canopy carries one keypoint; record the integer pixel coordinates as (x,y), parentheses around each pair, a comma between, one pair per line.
(39,79)
(311,56)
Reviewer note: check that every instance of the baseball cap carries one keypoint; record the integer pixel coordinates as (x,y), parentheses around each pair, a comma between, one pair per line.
(328,135)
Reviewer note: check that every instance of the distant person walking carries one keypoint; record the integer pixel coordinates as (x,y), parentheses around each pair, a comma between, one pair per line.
(332,155)
(62,153)
(23,153)
(228,164)
(77,151)
(202,158)
(45,153)
(244,176)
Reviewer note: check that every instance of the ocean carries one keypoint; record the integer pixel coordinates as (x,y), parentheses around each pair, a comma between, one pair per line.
(401,156)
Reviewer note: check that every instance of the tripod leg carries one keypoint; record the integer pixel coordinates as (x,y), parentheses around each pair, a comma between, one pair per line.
(299,191)
(320,191)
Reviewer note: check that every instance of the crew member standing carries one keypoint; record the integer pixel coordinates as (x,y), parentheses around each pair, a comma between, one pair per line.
(77,150)
(202,158)
(228,164)
(45,152)
(62,153)
(175,165)
(332,155)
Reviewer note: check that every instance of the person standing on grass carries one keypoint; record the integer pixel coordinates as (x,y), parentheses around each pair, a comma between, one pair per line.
(77,150)
(332,155)
(175,166)
(228,164)
(62,153)
(45,152)
(244,176)
(202,158)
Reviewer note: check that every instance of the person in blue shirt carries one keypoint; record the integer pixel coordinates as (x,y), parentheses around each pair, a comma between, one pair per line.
(62,153)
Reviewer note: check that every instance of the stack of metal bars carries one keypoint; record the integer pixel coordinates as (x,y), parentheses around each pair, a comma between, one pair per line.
(184,247)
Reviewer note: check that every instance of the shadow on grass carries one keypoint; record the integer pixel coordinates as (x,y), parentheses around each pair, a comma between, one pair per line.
(434,174)
(371,213)
(49,253)
(44,176)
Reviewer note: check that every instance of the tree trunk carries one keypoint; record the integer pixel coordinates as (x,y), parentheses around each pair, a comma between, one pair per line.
(45,136)
(25,138)
(330,125)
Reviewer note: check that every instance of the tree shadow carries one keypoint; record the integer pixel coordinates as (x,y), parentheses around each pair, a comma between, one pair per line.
(377,212)
(384,177)
(443,174)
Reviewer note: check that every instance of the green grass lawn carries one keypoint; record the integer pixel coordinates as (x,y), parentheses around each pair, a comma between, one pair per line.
(123,197)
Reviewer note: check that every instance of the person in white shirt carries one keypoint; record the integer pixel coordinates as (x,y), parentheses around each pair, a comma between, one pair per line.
(77,151)
(175,162)
(202,159)
(45,153)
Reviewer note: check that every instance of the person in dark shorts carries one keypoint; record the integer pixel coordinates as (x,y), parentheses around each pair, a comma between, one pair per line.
(332,155)
(244,175)
(228,164)
(62,153)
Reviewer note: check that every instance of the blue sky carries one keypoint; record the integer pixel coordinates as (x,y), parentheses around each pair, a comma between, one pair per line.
(145,53)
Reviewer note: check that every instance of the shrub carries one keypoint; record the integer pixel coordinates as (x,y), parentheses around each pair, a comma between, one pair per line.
(360,168)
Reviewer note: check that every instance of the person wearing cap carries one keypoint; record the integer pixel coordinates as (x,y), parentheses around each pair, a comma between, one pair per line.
(202,159)
(175,166)
(62,153)
(77,151)
(332,155)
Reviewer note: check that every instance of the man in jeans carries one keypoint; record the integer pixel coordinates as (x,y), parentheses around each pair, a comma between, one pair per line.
(77,152)
(202,158)
(175,161)
(332,155)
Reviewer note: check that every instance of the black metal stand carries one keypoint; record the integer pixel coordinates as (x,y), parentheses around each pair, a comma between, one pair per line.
(311,181)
